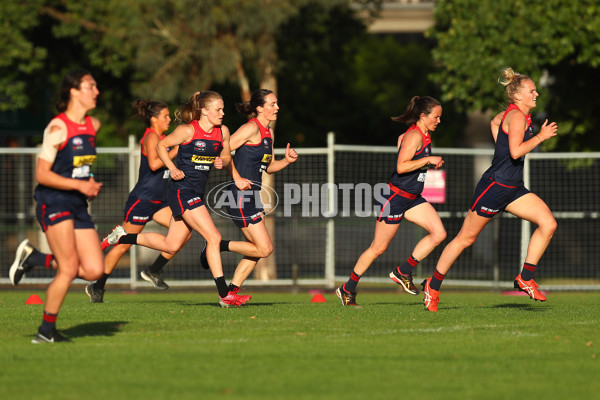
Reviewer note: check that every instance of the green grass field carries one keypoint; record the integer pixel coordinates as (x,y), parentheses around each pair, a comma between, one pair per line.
(182,345)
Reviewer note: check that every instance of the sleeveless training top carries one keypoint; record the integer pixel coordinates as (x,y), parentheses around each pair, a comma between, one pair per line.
(504,168)
(151,185)
(73,160)
(413,181)
(252,159)
(196,157)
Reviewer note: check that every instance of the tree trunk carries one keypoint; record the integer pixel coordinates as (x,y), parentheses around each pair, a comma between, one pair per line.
(266,269)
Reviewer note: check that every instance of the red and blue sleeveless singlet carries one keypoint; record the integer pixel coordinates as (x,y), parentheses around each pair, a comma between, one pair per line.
(151,185)
(252,159)
(412,182)
(505,169)
(196,157)
(73,160)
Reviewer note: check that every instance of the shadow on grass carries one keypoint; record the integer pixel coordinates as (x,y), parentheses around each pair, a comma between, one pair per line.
(107,328)
(522,306)
(249,304)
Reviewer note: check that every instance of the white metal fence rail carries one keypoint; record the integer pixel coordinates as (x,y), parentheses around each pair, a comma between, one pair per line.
(320,248)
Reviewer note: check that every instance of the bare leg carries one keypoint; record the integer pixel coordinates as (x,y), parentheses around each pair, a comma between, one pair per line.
(533,209)
(425,216)
(471,228)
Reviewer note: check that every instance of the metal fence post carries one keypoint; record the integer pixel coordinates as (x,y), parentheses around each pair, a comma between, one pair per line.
(131,177)
(525,225)
(330,239)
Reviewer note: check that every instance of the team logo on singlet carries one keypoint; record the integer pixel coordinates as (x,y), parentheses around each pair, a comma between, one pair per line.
(426,150)
(199,145)
(266,143)
(77,143)
(216,146)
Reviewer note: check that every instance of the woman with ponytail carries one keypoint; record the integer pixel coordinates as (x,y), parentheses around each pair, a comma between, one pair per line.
(203,145)
(501,188)
(404,200)
(253,145)
(148,199)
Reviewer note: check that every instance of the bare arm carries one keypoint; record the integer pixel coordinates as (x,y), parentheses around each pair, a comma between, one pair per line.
(517,123)
(44,174)
(150,144)
(411,143)
(181,134)
(495,125)
(277,165)
(241,183)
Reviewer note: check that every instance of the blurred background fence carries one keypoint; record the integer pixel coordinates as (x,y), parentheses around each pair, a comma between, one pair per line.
(317,244)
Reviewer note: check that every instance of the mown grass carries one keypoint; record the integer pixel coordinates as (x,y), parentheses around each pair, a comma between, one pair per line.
(182,345)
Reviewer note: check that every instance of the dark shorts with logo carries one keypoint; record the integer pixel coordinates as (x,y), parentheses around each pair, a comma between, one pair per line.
(395,205)
(248,209)
(491,197)
(140,212)
(181,200)
(51,214)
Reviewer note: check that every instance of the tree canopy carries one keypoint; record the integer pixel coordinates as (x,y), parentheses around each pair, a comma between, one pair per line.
(555,42)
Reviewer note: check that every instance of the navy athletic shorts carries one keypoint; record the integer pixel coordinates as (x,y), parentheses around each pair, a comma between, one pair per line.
(140,212)
(49,214)
(397,202)
(184,199)
(492,197)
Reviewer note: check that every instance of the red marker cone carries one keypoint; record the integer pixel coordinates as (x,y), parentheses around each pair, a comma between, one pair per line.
(34,299)
(318,298)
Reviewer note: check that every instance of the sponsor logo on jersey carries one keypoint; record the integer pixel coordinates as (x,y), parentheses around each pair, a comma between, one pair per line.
(203,159)
(199,145)
(79,161)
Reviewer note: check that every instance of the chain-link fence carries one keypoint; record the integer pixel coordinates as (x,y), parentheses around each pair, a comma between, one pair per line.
(325,218)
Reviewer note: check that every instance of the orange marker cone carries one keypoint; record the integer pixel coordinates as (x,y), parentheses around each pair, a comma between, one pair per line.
(34,299)
(318,298)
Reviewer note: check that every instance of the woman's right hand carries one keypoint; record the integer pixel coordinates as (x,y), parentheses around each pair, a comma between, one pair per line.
(177,174)
(90,188)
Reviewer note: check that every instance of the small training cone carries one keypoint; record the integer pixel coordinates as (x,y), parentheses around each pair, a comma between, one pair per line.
(34,299)
(318,298)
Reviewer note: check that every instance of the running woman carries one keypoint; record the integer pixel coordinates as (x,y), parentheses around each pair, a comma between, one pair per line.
(65,185)
(253,145)
(501,188)
(404,201)
(148,199)
(203,145)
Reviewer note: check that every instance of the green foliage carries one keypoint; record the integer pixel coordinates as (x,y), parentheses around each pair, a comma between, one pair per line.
(555,39)
(20,57)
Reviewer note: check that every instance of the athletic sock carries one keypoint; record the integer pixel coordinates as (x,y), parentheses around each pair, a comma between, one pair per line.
(350,286)
(408,266)
(233,287)
(39,259)
(224,246)
(528,271)
(48,323)
(101,282)
(130,238)
(436,280)
(158,265)
(222,286)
